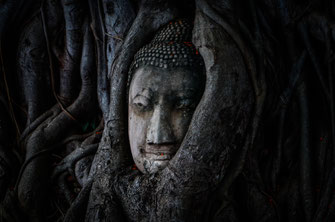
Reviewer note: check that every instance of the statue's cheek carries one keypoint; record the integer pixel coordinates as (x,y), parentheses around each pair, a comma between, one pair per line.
(180,122)
(137,132)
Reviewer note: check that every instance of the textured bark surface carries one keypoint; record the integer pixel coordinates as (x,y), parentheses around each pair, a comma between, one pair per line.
(260,143)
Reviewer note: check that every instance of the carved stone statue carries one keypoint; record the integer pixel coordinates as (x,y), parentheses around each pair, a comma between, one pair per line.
(165,89)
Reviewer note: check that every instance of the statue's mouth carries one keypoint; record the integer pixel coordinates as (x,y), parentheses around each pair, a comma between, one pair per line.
(160,152)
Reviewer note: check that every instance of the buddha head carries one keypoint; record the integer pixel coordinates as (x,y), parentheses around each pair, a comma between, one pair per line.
(166,84)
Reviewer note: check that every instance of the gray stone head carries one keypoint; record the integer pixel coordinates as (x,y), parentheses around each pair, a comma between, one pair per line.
(167,80)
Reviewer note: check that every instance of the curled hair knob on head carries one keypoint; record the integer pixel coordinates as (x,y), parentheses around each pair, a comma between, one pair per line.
(170,47)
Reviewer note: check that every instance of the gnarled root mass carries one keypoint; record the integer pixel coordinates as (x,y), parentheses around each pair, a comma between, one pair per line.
(260,146)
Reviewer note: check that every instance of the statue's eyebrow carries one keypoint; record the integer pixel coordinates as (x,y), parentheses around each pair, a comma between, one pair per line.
(140,95)
(146,92)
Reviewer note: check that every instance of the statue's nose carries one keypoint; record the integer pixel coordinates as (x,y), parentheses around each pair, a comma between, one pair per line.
(160,130)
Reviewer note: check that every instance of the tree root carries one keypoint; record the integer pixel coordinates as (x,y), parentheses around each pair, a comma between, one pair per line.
(326,199)
(50,114)
(69,162)
(285,101)
(31,186)
(311,52)
(306,176)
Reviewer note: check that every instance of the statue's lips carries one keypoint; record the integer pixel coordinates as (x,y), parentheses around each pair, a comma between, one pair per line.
(159,152)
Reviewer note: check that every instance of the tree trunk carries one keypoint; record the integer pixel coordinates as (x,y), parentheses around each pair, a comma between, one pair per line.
(260,143)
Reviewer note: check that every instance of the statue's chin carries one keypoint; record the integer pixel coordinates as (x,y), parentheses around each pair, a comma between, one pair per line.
(153,165)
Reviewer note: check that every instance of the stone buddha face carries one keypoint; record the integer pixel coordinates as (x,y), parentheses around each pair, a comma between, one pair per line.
(160,108)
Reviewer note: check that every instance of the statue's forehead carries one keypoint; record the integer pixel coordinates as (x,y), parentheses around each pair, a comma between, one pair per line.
(150,80)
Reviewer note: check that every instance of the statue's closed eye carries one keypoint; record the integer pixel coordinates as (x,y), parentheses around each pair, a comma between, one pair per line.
(141,103)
